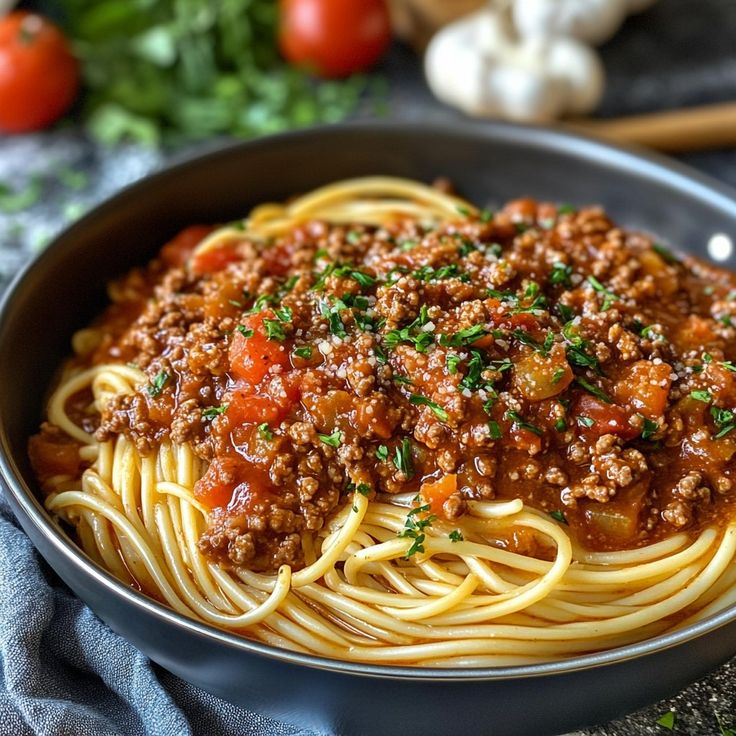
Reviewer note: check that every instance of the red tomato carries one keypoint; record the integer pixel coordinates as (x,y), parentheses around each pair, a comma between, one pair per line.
(271,404)
(214,260)
(607,418)
(252,356)
(177,251)
(39,77)
(335,38)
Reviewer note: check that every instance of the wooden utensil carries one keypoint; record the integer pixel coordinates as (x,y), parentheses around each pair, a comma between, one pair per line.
(689,129)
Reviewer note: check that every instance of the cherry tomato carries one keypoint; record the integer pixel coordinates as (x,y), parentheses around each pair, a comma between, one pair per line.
(334,38)
(39,77)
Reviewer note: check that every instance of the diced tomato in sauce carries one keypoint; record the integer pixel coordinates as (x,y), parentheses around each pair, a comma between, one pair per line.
(214,259)
(253,355)
(178,250)
(606,418)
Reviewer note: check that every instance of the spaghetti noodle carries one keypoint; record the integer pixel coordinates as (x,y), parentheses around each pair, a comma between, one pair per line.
(406,567)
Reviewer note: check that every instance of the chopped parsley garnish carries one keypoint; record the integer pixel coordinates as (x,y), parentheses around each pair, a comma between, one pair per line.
(586,422)
(438,411)
(428,273)
(452,362)
(522,423)
(420,341)
(382,453)
(284,314)
(304,352)
(213,411)
(403,459)
(648,428)
(608,296)
(364,489)
(564,312)
(559,516)
(504,296)
(333,440)
(576,349)
(464,211)
(262,302)
(364,279)
(274,330)
(593,389)
(456,536)
(414,529)
(526,339)
(649,333)
(486,215)
(331,312)
(264,431)
(725,420)
(380,355)
(408,244)
(703,396)
(664,253)
(475,367)
(558,375)
(403,380)
(667,720)
(560,274)
(727,364)
(244,331)
(353,237)
(560,425)
(157,385)
(494,430)
(463,337)
(566,209)
(466,247)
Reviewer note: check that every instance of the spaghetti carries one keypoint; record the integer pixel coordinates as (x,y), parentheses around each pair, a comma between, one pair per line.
(406,567)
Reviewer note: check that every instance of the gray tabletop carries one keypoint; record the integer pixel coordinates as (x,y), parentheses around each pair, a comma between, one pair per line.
(681,52)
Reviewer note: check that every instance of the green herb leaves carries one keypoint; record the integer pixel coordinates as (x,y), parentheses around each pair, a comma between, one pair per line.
(608,296)
(403,458)
(333,440)
(414,529)
(438,411)
(157,385)
(213,411)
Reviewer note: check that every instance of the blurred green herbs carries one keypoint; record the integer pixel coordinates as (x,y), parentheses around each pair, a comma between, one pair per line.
(187,69)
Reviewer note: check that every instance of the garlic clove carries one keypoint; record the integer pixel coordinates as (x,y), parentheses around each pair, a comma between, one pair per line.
(523,94)
(592,21)
(582,70)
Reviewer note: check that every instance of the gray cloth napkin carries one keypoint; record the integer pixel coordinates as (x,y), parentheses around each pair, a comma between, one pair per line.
(65,673)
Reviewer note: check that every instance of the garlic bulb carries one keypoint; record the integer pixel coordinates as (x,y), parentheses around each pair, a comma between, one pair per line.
(479,65)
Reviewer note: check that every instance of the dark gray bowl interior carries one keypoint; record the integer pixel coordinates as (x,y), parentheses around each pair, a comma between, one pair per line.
(64,288)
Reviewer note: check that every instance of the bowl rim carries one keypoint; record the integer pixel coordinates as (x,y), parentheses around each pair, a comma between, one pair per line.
(656,167)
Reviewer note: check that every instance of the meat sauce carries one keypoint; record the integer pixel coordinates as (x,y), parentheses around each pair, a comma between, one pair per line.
(539,353)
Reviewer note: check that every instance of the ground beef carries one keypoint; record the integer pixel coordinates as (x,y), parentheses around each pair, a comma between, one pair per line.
(537,353)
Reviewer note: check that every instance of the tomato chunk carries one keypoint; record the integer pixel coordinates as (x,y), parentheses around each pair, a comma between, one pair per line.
(178,250)
(435,493)
(252,355)
(645,388)
(539,376)
(271,404)
(605,418)
(211,261)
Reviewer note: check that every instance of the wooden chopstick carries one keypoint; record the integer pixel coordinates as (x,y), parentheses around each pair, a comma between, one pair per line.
(689,129)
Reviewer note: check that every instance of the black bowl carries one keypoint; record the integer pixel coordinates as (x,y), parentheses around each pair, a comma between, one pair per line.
(64,288)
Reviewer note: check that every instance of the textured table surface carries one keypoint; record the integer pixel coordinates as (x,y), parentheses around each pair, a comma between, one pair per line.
(679,53)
